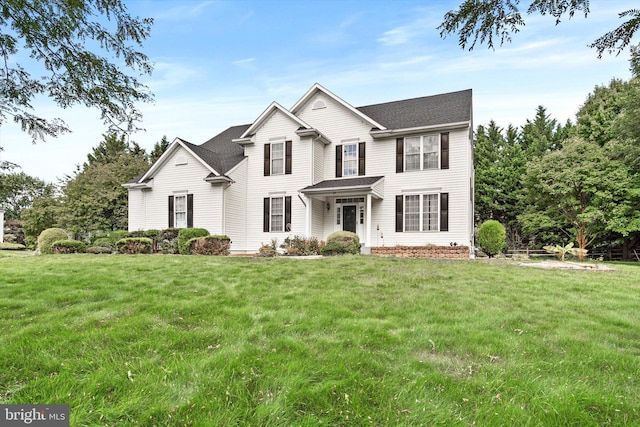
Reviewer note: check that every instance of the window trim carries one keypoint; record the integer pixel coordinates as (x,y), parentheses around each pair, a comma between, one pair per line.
(441,210)
(441,152)
(273,158)
(268,214)
(352,160)
(176,197)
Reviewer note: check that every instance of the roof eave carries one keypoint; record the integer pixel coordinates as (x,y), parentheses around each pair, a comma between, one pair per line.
(244,141)
(138,185)
(315,134)
(378,134)
(219,179)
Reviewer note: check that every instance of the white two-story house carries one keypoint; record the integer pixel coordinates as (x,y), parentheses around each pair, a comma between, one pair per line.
(396,173)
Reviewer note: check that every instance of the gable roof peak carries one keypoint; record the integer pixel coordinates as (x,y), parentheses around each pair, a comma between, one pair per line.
(317,87)
(274,106)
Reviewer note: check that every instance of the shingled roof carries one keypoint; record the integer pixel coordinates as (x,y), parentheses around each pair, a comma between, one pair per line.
(440,109)
(220,152)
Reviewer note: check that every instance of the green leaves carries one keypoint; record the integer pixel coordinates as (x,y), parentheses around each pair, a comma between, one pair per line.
(61,36)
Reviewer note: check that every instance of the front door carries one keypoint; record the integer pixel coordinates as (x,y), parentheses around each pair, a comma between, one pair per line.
(349,218)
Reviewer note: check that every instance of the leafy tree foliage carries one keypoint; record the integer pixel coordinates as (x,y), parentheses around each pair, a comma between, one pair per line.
(493,21)
(93,198)
(85,49)
(18,191)
(42,214)
(611,118)
(576,188)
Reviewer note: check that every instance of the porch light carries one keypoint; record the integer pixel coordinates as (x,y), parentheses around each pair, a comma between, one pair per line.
(328,206)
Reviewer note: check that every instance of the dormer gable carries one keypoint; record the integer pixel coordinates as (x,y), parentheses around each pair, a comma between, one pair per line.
(318,103)
(245,138)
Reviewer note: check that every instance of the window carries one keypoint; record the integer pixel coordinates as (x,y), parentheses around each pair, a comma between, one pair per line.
(422,212)
(350,159)
(430,212)
(422,152)
(277,214)
(278,157)
(181,211)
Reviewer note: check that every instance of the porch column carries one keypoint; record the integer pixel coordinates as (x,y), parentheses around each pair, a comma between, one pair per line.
(367,222)
(307,215)
(1,224)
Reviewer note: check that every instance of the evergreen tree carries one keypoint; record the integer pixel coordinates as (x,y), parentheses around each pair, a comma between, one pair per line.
(158,149)
(94,200)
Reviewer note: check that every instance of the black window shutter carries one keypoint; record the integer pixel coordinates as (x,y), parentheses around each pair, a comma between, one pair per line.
(267,159)
(444,150)
(444,211)
(338,161)
(287,213)
(399,213)
(189,210)
(288,146)
(399,155)
(170,211)
(361,157)
(265,219)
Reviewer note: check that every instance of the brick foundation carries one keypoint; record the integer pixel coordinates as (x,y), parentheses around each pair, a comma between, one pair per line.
(449,252)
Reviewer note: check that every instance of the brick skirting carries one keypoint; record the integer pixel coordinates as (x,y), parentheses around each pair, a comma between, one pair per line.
(449,252)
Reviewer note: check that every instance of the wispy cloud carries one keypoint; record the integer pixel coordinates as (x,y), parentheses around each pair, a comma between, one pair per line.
(244,62)
(184,10)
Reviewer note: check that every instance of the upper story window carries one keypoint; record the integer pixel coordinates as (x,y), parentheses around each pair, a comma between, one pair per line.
(422,152)
(278,157)
(350,159)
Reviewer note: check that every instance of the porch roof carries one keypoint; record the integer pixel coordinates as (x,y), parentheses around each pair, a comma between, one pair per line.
(364,184)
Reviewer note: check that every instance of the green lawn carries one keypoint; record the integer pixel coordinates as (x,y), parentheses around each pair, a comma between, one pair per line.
(353,341)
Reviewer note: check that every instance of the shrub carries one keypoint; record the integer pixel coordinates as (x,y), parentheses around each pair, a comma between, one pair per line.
(134,245)
(6,246)
(117,235)
(491,237)
(105,242)
(186,234)
(298,245)
(210,245)
(168,240)
(342,242)
(48,236)
(68,247)
(99,250)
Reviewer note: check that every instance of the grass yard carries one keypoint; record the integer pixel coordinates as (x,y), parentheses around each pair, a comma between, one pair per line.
(345,341)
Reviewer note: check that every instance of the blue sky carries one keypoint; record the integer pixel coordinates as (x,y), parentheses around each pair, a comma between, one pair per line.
(221,63)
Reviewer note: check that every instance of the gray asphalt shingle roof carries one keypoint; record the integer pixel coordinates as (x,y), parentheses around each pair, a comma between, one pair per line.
(345,182)
(424,111)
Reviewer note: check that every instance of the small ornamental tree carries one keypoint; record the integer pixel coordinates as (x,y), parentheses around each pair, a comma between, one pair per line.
(491,237)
